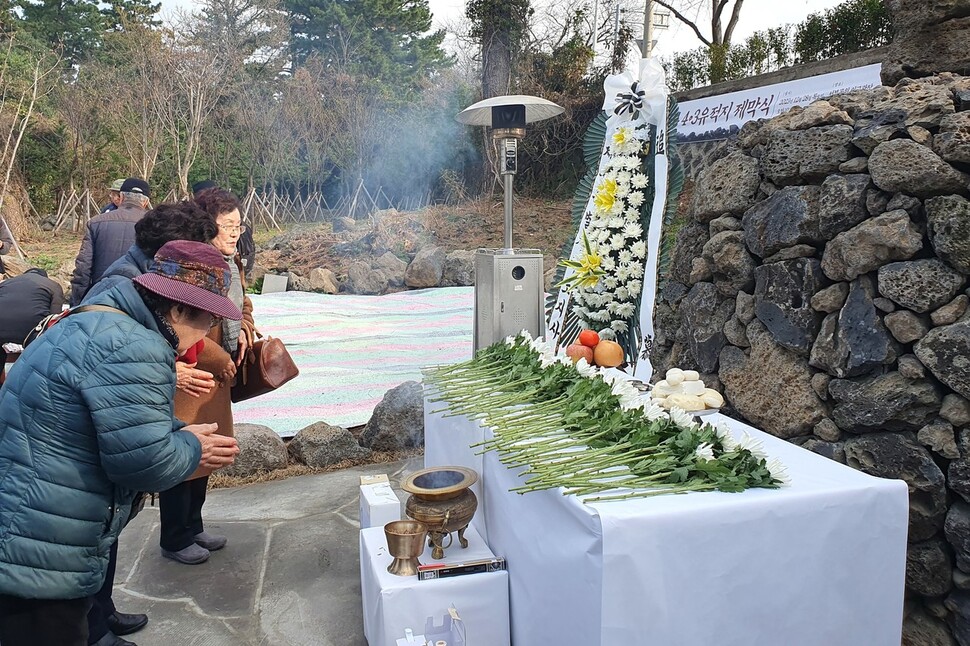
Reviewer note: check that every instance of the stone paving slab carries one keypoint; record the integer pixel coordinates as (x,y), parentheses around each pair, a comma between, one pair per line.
(289,575)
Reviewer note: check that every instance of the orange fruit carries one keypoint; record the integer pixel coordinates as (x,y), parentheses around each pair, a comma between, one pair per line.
(608,354)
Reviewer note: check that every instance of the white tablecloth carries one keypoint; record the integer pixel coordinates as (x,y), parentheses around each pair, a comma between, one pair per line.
(393,603)
(818,563)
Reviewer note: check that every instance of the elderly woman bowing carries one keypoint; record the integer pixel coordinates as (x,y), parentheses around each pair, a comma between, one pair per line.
(86,420)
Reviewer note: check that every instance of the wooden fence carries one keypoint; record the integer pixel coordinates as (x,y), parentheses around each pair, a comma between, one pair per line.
(262,210)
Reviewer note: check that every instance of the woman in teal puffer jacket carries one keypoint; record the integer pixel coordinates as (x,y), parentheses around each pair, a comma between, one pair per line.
(86,420)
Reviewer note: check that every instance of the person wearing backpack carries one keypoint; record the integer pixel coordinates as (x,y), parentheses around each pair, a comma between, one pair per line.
(86,420)
(25,300)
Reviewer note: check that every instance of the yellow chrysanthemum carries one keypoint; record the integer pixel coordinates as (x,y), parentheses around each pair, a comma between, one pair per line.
(622,136)
(588,269)
(606,195)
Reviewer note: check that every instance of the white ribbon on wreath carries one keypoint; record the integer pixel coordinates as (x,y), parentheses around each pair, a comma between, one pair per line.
(641,99)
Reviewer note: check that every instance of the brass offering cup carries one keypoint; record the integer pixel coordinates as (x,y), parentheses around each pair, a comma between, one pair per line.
(405,542)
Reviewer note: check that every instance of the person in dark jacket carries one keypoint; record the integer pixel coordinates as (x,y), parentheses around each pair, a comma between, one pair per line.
(6,242)
(25,300)
(108,237)
(114,196)
(164,223)
(86,420)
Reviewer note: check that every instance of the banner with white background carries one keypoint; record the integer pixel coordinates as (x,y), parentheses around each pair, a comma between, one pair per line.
(718,117)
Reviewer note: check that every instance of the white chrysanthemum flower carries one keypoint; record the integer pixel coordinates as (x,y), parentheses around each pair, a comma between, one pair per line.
(639,180)
(704,452)
(619,326)
(639,249)
(610,283)
(682,418)
(625,256)
(608,264)
(616,222)
(617,241)
(613,308)
(654,411)
(753,445)
(723,432)
(623,177)
(510,340)
(525,334)
(622,293)
(584,369)
(635,198)
(779,472)
(607,334)
(633,230)
(634,286)
(626,310)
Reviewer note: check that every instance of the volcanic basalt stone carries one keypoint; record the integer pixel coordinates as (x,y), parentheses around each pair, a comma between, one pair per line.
(868,246)
(794,157)
(728,186)
(855,165)
(398,420)
(744,307)
(920,629)
(732,267)
(705,313)
(426,269)
(688,244)
(951,312)
(919,285)
(819,113)
(938,436)
(911,367)
(700,271)
(958,477)
(884,304)
(827,431)
(904,166)
(907,203)
(790,253)
(831,450)
(888,402)
(949,230)
(898,455)
(736,333)
(787,218)
(854,341)
(782,301)
(820,384)
(920,135)
(945,351)
(830,299)
(321,445)
(905,326)
(953,142)
(724,223)
(842,203)
(877,201)
(956,410)
(928,567)
(958,603)
(771,386)
(957,531)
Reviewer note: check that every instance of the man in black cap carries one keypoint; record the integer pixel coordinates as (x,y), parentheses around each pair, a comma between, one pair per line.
(108,237)
(24,301)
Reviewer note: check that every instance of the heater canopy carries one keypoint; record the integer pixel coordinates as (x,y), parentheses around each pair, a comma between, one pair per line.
(481,113)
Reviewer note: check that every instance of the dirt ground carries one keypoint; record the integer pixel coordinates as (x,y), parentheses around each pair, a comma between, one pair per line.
(539,224)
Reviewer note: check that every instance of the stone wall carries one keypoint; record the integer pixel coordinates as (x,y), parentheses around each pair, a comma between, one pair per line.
(821,284)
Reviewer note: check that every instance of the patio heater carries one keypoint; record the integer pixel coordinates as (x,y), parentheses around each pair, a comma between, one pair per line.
(508,282)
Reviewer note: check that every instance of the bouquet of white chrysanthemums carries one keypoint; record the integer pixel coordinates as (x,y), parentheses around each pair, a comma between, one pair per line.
(608,276)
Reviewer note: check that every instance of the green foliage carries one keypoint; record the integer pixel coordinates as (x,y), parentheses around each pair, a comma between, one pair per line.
(71,28)
(375,39)
(508,17)
(853,26)
(141,12)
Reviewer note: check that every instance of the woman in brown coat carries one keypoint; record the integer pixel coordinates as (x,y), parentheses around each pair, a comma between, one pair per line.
(183,536)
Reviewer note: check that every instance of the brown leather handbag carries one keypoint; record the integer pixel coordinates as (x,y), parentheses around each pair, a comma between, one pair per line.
(267,366)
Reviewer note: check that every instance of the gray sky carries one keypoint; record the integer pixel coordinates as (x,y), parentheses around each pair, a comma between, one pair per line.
(755,15)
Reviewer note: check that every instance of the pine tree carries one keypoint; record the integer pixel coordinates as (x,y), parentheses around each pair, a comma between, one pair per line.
(384,40)
(72,28)
(142,12)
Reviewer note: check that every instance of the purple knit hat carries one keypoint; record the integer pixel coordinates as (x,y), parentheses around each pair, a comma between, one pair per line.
(194,274)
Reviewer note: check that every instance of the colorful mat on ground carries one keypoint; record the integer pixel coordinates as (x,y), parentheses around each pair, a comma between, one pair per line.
(352,349)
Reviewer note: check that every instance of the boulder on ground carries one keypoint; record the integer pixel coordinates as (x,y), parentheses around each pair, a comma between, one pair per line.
(321,445)
(398,420)
(260,450)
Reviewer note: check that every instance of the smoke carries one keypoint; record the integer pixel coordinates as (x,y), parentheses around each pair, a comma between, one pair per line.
(422,152)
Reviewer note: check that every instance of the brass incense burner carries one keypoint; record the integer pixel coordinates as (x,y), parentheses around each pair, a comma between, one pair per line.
(405,542)
(442,500)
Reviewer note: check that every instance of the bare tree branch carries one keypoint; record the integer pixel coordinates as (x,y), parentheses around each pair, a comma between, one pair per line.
(684,19)
(733,22)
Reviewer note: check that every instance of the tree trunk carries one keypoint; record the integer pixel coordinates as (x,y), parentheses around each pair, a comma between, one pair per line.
(496,65)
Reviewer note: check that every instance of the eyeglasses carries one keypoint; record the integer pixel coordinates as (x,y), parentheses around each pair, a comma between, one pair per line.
(236,229)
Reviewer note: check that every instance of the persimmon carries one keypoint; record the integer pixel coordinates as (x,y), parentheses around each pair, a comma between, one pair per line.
(589,338)
(608,354)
